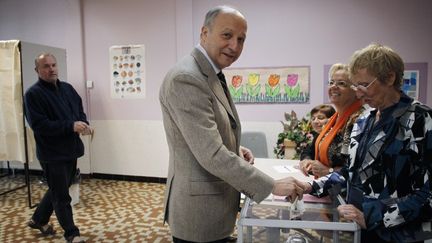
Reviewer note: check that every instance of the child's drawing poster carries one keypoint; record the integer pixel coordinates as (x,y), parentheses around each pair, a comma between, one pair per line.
(269,85)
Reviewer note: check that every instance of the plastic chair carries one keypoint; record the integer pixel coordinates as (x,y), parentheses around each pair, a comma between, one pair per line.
(255,141)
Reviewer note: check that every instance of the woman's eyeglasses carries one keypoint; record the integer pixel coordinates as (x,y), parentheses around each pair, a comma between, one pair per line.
(340,83)
(360,87)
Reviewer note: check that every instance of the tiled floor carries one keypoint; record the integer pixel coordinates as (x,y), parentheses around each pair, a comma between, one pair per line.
(108,211)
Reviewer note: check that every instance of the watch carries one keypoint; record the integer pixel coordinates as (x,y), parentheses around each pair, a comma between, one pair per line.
(331,170)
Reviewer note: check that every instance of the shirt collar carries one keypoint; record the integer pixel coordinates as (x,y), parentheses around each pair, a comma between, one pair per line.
(199,47)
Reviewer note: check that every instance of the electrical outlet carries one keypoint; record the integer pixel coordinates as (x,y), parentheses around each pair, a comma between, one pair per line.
(89,84)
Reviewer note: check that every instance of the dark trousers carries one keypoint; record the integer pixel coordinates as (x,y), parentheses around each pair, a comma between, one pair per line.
(371,236)
(59,177)
(177,240)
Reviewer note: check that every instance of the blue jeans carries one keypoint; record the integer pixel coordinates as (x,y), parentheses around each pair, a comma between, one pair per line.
(59,175)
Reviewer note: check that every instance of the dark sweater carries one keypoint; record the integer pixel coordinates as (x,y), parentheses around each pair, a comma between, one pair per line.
(51,112)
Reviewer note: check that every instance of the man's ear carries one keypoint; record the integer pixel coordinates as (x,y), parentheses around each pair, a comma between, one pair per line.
(204,32)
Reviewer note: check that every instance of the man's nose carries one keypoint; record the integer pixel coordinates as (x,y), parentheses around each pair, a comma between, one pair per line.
(234,44)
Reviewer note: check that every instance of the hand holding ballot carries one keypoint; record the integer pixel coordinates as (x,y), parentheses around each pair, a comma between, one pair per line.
(82,128)
(289,187)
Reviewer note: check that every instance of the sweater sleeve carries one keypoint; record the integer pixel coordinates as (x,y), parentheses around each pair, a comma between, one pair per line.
(37,110)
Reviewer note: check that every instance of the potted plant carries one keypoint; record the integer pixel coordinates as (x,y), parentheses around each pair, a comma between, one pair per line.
(296,136)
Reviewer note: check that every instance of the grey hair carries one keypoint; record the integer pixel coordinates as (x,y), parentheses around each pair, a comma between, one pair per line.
(214,12)
(42,55)
(379,61)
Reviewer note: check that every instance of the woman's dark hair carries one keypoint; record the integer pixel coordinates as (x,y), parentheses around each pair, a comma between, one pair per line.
(328,110)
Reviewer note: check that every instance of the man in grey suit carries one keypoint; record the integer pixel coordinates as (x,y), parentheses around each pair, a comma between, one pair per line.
(207,166)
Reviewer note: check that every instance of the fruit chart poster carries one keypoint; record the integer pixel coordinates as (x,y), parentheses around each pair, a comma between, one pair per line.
(127,72)
(269,85)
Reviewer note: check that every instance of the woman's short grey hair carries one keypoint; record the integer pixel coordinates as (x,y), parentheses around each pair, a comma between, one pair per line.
(379,61)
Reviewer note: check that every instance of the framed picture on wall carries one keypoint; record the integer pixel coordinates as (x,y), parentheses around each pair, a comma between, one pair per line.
(269,85)
(414,83)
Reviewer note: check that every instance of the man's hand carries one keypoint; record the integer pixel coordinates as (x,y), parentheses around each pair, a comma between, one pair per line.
(289,187)
(88,131)
(247,155)
(82,128)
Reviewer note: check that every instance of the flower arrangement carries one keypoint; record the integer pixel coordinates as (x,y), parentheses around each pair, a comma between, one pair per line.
(295,130)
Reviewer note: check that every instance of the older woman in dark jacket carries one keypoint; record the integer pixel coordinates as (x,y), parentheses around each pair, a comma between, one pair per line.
(389,186)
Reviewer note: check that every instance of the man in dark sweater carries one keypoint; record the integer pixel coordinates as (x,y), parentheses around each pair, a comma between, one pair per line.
(55,113)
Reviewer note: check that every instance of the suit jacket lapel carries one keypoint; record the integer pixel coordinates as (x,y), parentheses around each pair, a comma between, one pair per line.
(214,83)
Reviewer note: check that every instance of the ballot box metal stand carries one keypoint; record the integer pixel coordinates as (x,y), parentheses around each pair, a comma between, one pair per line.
(251,221)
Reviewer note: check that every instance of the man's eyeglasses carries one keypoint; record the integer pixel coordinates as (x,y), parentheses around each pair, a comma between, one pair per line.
(341,83)
(360,87)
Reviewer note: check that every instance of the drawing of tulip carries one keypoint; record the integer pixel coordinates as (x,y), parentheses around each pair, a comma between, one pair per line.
(253,79)
(292,79)
(236,80)
(292,88)
(236,89)
(272,86)
(273,80)
(253,87)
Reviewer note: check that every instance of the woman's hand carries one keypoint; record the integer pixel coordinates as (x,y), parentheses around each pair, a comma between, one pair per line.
(319,169)
(350,212)
(305,166)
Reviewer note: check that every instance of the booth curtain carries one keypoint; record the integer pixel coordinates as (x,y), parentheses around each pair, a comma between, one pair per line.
(11,106)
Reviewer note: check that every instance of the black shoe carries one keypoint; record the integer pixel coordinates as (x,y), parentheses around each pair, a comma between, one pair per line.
(231,239)
(44,229)
(75,239)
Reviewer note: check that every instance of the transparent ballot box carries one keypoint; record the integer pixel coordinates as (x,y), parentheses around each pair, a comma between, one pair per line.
(278,221)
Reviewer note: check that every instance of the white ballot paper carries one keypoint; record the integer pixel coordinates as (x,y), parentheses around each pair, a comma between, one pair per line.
(285,169)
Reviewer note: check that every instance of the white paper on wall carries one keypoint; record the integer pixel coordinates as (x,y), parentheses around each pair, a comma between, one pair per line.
(127,71)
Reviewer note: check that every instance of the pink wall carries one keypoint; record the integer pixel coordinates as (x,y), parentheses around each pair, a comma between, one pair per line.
(112,22)
(316,33)
(280,33)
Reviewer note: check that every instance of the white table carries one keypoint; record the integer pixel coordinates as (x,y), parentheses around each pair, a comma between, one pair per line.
(272,168)
(271,219)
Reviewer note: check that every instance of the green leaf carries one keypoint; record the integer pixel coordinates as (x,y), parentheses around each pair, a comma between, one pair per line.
(256,90)
(276,91)
(232,90)
(239,92)
(249,89)
(268,90)
(287,90)
(296,91)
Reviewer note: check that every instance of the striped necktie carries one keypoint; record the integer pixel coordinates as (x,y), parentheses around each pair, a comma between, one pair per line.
(222,79)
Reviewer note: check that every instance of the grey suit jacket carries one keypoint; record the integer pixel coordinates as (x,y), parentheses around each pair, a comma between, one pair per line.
(205,173)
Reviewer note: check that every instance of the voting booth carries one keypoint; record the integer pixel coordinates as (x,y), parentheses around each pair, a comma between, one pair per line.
(17,146)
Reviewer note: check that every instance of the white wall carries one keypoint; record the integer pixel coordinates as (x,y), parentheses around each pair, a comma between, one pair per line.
(129,137)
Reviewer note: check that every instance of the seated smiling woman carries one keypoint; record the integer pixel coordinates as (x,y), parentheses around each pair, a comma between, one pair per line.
(320,115)
(331,146)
